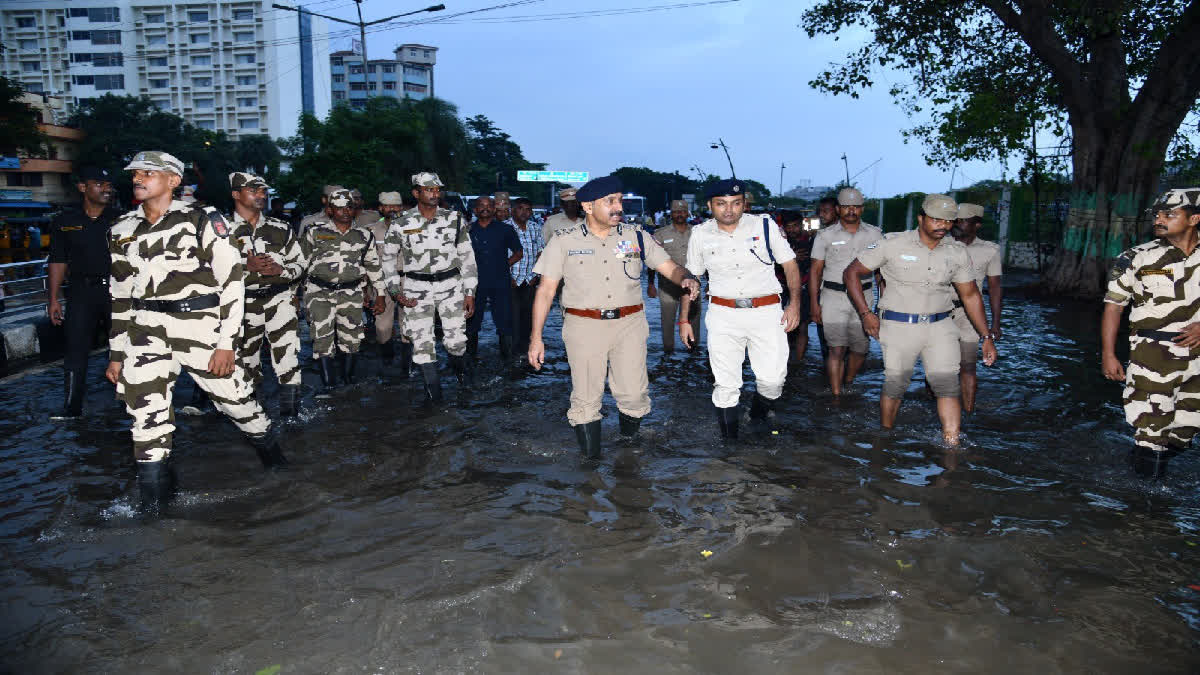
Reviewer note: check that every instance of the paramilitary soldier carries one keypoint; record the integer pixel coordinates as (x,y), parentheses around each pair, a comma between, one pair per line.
(272,263)
(79,244)
(923,269)
(1161,279)
(320,214)
(432,265)
(739,251)
(342,265)
(985,264)
(604,327)
(177,304)
(391,204)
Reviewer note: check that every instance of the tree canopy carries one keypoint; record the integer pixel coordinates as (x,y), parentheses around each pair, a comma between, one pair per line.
(18,125)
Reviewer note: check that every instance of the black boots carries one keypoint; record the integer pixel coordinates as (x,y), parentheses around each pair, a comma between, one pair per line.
(472,346)
(629,425)
(760,407)
(464,369)
(328,376)
(588,436)
(289,400)
(406,354)
(506,348)
(349,362)
(199,403)
(267,447)
(433,382)
(74,383)
(1149,465)
(156,485)
(387,352)
(727,419)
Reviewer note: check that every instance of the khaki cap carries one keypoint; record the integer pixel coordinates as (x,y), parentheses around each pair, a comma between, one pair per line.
(241,179)
(341,197)
(967,210)
(568,194)
(426,179)
(850,197)
(940,206)
(501,198)
(330,189)
(679,204)
(390,199)
(155,160)
(1177,197)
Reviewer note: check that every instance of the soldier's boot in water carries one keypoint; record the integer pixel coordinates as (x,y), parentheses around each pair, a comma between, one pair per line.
(289,400)
(464,370)
(387,353)
(760,408)
(432,383)
(588,436)
(727,420)
(1148,464)
(472,346)
(328,376)
(349,363)
(74,383)
(406,354)
(506,349)
(156,486)
(629,425)
(268,450)
(199,403)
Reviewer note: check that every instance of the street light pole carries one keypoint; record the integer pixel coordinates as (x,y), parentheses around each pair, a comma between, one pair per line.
(362,35)
(721,144)
(847,163)
(782,166)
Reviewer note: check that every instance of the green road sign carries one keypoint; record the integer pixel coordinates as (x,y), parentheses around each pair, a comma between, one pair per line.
(553,176)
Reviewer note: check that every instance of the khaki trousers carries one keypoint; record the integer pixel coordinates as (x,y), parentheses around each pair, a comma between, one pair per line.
(612,350)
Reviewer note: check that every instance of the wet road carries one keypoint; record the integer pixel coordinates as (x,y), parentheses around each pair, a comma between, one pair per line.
(474,540)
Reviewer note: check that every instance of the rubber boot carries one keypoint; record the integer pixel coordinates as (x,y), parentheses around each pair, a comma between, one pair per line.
(1148,464)
(387,353)
(506,348)
(199,403)
(464,369)
(406,354)
(328,376)
(760,407)
(73,388)
(433,382)
(156,486)
(268,450)
(472,346)
(629,425)
(588,436)
(349,363)
(727,419)
(289,400)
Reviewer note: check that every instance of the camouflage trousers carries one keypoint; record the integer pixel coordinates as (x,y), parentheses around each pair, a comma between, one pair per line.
(160,346)
(335,319)
(437,299)
(275,319)
(1162,393)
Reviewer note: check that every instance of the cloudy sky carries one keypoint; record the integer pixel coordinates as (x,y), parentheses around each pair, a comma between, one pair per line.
(656,88)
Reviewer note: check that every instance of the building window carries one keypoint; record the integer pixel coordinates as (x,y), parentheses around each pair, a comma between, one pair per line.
(31,179)
(197,17)
(156,41)
(162,104)
(389,68)
(371,68)
(248,123)
(156,18)
(243,15)
(31,66)
(103,15)
(27,45)
(84,80)
(426,53)
(372,86)
(159,83)
(335,60)
(84,57)
(412,52)
(246,80)
(110,82)
(33,87)
(108,60)
(199,38)
(26,22)
(203,103)
(201,81)
(244,58)
(157,61)
(201,60)
(106,37)
(338,78)
(356,69)
(358,103)
(243,36)
(417,88)
(390,86)
(339,95)
(206,124)
(81,35)
(358,86)
(78,12)
(247,101)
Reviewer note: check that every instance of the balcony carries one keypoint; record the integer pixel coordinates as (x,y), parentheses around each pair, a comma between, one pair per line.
(64,133)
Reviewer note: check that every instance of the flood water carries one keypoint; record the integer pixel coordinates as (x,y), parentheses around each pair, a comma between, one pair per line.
(473,539)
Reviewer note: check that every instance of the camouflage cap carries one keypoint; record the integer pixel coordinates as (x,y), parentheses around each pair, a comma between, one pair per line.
(968,210)
(390,199)
(567,194)
(501,198)
(940,206)
(241,179)
(850,197)
(330,189)
(341,197)
(356,193)
(679,205)
(426,179)
(1177,197)
(155,160)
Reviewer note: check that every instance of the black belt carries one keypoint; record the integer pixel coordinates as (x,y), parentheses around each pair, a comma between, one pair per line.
(95,280)
(914,318)
(189,305)
(267,291)
(1160,335)
(957,303)
(336,286)
(835,286)
(437,276)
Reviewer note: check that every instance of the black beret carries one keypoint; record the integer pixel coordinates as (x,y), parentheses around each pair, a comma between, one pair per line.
(93,173)
(599,187)
(730,187)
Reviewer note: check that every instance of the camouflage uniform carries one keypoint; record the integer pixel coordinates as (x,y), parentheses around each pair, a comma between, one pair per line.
(269,310)
(418,253)
(341,259)
(1162,381)
(186,255)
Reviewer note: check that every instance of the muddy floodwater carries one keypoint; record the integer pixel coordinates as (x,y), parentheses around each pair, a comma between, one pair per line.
(473,539)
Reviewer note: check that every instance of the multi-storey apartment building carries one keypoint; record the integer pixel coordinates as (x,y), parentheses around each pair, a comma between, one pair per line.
(237,66)
(408,75)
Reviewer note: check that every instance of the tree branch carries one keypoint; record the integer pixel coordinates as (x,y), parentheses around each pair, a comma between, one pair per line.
(1038,32)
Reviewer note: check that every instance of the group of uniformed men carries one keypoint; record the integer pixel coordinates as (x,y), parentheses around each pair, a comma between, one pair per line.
(188,287)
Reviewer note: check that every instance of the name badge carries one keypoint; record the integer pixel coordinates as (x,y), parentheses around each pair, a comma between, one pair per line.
(909,258)
(415,230)
(838,243)
(581,251)
(326,237)
(665,241)
(1153,273)
(71,228)
(126,240)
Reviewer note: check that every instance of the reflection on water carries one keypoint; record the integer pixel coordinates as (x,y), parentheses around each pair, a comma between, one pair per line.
(473,539)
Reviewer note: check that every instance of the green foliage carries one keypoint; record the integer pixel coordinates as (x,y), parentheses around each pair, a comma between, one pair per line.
(259,154)
(18,124)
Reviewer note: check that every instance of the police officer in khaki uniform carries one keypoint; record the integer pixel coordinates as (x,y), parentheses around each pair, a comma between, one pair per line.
(604,327)
(985,264)
(569,220)
(390,206)
(923,269)
(674,240)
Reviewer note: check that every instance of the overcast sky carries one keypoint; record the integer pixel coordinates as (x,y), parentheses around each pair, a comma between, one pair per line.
(655,89)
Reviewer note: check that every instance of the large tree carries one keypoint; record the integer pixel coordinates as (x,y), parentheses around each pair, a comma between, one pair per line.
(1116,78)
(18,124)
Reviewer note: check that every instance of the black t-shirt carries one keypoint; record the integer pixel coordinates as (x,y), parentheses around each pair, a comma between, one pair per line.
(81,242)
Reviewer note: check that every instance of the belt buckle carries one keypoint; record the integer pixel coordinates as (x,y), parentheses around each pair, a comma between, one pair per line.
(743,303)
(610,314)
(185,306)
(922,318)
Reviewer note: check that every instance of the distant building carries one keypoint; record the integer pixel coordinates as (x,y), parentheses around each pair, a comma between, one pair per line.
(408,75)
(240,67)
(36,183)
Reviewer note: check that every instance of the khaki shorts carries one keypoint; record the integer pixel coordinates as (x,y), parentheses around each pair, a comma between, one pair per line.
(934,343)
(968,339)
(843,326)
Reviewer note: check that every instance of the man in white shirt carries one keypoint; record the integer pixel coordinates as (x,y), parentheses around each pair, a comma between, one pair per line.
(739,252)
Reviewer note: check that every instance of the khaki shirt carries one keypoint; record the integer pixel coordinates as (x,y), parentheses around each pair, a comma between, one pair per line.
(674,242)
(1162,283)
(559,223)
(838,247)
(367,218)
(738,263)
(985,260)
(599,273)
(918,278)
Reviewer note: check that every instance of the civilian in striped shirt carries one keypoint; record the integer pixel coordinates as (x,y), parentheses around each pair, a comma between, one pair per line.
(524,281)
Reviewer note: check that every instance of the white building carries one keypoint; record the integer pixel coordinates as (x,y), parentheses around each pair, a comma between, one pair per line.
(237,66)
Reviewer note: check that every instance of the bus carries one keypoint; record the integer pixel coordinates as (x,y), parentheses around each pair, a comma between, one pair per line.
(634,207)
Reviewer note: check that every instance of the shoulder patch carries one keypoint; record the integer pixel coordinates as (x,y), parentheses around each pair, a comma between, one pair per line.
(219,226)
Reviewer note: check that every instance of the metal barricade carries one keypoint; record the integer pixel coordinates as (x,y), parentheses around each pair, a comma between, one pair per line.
(23,286)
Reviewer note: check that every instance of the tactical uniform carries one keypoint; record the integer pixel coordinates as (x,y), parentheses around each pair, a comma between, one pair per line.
(269,312)
(338,265)
(985,262)
(838,248)
(675,243)
(319,215)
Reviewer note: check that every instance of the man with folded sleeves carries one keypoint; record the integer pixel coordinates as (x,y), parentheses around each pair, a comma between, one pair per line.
(674,239)
(985,264)
(604,325)
(833,249)
(923,270)
(739,252)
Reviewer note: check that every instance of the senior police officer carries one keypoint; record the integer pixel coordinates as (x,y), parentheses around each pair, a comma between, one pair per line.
(177,288)
(343,268)
(432,265)
(604,327)
(1161,280)
(923,269)
(985,264)
(674,240)
(79,245)
(833,249)
(272,264)
(739,252)
(569,220)
(391,204)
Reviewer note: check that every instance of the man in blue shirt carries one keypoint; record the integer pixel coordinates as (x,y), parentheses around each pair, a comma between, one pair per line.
(524,281)
(497,248)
